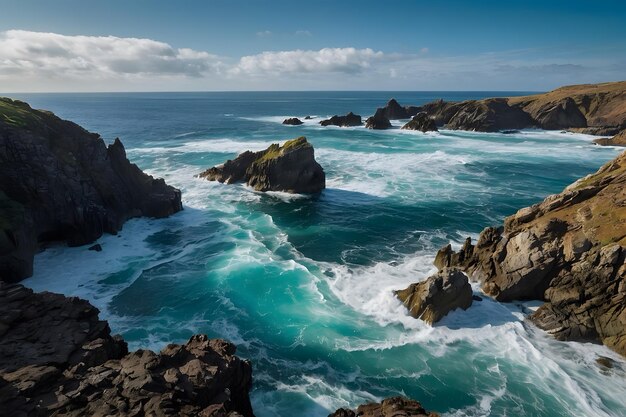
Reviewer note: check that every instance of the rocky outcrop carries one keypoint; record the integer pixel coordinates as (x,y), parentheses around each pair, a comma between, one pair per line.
(432,299)
(291,168)
(569,251)
(422,122)
(390,407)
(617,140)
(293,121)
(348,120)
(59,182)
(394,111)
(378,121)
(57,358)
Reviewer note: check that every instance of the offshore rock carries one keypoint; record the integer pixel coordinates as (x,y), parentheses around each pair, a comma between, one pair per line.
(293,121)
(60,183)
(389,407)
(568,251)
(57,358)
(394,111)
(432,299)
(348,120)
(378,121)
(291,168)
(422,122)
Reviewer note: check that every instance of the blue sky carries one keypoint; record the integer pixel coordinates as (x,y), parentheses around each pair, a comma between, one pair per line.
(140,45)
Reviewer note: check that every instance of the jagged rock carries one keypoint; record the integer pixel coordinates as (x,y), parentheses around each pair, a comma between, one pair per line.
(569,251)
(348,120)
(378,121)
(97,247)
(394,111)
(390,407)
(617,140)
(308,118)
(293,121)
(561,114)
(291,168)
(422,122)
(59,182)
(57,358)
(441,293)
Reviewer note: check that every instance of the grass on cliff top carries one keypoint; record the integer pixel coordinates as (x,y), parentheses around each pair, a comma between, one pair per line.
(275,150)
(16,113)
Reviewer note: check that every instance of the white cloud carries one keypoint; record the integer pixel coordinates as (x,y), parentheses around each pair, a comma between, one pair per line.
(50,55)
(341,60)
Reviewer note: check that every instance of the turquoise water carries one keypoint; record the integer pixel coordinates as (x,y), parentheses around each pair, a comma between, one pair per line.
(303,285)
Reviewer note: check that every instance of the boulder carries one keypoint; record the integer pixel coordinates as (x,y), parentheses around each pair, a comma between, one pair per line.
(348,120)
(617,140)
(389,407)
(378,121)
(291,168)
(60,183)
(57,358)
(422,122)
(569,251)
(293,121)
(441,293)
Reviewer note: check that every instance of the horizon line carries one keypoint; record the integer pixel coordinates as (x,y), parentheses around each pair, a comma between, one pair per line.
(270,91)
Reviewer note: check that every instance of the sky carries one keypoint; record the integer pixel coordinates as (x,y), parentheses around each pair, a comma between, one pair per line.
(193,45)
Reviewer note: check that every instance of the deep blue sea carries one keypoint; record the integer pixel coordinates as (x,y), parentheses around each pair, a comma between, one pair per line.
(303,285)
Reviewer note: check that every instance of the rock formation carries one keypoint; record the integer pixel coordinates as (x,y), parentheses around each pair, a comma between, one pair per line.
(394,111)
(598,109)
(291,168)
(422,122)
(59,182)
(57,358)
(568,251)
(432,299)
(378,121)
(617,140)
(390,407)
(293,121)
(348,120)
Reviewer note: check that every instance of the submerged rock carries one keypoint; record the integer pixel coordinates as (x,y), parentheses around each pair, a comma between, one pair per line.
(57,358)
(291,168)
(378,121)
(348,120)
(569,251)
(58,182)
(390,407)
(617,140)
(432,299)
(422,122)
(293,121)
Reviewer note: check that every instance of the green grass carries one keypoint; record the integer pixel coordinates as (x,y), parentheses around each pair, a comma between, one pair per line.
(275,150)
(17,113)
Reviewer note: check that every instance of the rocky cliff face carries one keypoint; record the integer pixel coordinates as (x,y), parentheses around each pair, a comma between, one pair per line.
(57,358)
(291,168)
(422,122)
(59,182)
(378,121)
(617,140)
(598,109)
(390,407)
(394,111)
(569,251)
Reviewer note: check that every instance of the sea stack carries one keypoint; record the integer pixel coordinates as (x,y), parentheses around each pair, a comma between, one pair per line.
(422,122)
(290,168)
(378,121)
(348,120)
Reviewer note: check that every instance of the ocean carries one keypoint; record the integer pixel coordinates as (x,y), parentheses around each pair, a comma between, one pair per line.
(304,284)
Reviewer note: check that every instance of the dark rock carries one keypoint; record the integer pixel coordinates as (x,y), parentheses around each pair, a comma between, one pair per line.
(394,111)
(58,358)
(294,121)
(308,118)
(490,115)
(568,251)
(97,247)
(389,407)
(432,299)
(509,131)
(291,168)
(476,298)
(378,121)
(617,140)
(61,183)
(563,114)
(348,120)
(422,122)
(605,362)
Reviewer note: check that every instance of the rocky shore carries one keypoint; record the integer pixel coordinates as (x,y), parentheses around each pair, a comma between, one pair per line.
(61,183)
(290,168)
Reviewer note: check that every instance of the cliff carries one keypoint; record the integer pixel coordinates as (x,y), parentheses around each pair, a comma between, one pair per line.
(291,168)
(569,251)
(57,358)
(59,182)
